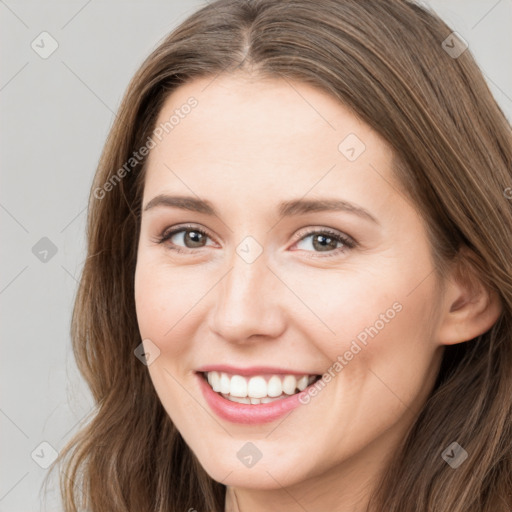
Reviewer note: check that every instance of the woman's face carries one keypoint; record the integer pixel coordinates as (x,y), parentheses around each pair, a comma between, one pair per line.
(314,262)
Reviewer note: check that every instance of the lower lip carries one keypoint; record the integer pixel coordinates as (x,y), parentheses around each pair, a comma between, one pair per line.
(245,413)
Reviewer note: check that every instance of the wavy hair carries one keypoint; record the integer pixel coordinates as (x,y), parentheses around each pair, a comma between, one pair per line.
(385,60)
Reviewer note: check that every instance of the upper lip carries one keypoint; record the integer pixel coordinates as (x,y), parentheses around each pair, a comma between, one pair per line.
(252,370)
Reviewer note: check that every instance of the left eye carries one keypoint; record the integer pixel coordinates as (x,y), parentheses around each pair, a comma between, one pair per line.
(326,241)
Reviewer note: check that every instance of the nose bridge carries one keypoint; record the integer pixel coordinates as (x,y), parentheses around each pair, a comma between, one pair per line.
(246,302)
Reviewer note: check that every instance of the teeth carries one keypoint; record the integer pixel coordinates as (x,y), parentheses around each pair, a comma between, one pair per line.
(240,400)
(267,400)
(289,384)
(257,389)
(224,383)
(302,383)
(238,387)
(274,386)
(214,381)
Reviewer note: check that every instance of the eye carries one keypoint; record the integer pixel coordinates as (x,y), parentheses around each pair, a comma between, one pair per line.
(325,241)
(188,237)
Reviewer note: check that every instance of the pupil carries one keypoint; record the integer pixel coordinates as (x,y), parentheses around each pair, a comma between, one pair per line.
(195,237)
(331,243)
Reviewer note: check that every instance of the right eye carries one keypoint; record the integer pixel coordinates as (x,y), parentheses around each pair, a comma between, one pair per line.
(191,237)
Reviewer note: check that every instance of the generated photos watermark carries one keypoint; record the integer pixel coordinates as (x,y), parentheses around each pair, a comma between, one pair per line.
(356,346)
(152,141)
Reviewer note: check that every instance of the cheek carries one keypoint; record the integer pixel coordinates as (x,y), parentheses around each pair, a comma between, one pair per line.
(151,303)
(163,301)
(338,309)
(164,298)
(375,328)
(385,354)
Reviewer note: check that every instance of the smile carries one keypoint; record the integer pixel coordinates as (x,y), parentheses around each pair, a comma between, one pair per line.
(258,389)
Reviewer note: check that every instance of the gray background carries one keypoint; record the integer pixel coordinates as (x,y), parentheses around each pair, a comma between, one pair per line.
(55,116)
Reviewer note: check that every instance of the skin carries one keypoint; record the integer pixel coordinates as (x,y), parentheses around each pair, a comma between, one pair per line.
(248,145)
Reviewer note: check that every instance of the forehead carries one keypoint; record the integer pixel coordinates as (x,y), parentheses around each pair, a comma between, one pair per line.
(246,136)
(246,107)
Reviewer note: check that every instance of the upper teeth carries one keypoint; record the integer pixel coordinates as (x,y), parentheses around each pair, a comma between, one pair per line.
(257,386)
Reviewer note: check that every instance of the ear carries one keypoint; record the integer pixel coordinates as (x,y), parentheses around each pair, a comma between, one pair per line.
(469,306)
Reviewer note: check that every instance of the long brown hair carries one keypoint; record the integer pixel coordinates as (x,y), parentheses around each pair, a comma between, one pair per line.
(385,60)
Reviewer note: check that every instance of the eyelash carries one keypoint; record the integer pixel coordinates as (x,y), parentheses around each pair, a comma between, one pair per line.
(347,242)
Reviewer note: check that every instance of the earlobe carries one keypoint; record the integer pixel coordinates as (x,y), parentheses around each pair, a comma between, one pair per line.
(470,308)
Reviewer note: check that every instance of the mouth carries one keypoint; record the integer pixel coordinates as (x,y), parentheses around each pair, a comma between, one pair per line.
(257,389)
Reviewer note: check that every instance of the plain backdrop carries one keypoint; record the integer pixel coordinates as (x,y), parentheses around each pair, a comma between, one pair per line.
(56,111)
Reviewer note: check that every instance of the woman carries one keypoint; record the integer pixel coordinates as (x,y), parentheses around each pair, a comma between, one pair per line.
(298,290)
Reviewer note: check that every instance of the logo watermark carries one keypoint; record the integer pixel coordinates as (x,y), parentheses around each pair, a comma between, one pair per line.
(356,346)
(138,156)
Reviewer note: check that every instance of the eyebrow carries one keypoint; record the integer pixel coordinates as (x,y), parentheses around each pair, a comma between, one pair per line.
(286,208)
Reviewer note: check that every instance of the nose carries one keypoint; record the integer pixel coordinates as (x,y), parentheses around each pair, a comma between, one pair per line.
(248,303)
